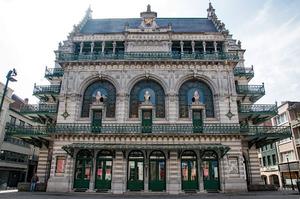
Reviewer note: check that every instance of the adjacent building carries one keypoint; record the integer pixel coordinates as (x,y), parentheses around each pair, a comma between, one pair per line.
(150,104)
(18,159)
(280,161)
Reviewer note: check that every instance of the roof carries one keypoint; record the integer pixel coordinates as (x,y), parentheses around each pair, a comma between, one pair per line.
(94,26)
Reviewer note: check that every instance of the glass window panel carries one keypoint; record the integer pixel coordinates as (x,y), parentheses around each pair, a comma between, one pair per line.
(78,173)
(215,171)
(161,169)
(100,170)
(131,170)
(153,170)
(140,170)
(108,170)
(206,171)
(193,170)
(184,171)
(87,173)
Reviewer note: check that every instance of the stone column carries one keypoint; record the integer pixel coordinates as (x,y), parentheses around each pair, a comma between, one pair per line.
(103,47)
(200,175)
(181,47)
(174,173)
(114,47)
(119,171)
(193,46)
(93,173)
(92,47)
(204,46)
(81,47)
(146,173)
(215,46)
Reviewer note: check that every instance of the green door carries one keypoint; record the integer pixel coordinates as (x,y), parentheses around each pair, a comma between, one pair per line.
(211,175)
(97,121)
(189,171)
(147,121)
(197,121)
(157,171)
(135,174)
(83,169)
(103,174)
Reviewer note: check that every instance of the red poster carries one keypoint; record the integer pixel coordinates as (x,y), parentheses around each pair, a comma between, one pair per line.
(205,172)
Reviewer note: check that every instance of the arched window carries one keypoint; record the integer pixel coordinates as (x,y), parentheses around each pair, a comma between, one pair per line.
(157,97)
(189,171)
(186,93)
(108,91)
(84,160)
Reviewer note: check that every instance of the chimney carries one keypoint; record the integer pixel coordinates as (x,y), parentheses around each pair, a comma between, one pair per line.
(26,101)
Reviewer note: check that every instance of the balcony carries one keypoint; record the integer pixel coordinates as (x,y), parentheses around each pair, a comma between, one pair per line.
(152,56)
(254,92)
(45,91)
(257,112)
(243,72)
(260,134)
(39,109)
(51,73)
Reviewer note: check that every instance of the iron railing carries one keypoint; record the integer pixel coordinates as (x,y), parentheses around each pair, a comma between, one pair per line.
(147,56)
(77,128)
(39,108)
(270,109)
(46,89)
(250,89)
(54,72)
(242,71)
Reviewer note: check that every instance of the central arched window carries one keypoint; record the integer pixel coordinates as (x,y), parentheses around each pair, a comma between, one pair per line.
(157,97)
(108,91)
(186,93)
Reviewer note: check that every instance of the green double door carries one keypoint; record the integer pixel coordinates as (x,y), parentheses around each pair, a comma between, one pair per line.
(197,121)
(83,171)
(211,175)
(135,175)
(157,175)
(97,121)
(189,174)
(103,174)
(146,120)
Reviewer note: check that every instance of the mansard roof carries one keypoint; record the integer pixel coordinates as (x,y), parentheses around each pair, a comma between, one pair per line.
(179,25)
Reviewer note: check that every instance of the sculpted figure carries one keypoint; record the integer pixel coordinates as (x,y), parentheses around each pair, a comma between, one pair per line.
(196,97)
(98,97)
(147,96)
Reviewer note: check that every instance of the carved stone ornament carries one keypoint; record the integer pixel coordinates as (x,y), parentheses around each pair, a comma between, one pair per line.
(147,97)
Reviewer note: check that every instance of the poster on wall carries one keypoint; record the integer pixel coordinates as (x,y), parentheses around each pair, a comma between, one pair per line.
(233,165)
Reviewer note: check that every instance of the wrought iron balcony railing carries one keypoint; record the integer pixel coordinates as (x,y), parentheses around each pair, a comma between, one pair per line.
(147,56)
(54,72)
(46,89)
(250,89)
(39,109)
(77,128)
(246,72)
(263,109)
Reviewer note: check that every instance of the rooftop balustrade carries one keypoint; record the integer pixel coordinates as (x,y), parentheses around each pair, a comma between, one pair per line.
(221,56)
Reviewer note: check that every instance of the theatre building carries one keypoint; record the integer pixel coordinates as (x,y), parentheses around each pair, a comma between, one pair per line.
(149,104)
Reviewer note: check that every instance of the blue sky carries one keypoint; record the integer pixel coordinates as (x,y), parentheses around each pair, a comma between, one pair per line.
(269,31)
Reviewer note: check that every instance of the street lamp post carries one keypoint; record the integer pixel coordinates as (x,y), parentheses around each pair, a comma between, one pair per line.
(288,163)
(9,77)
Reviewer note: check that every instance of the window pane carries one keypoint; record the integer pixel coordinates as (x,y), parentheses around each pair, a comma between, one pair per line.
(184,171)
(153,170)
(108,170)
(131,170)
(193,170)
(161,169)
(100,170)
(140,170)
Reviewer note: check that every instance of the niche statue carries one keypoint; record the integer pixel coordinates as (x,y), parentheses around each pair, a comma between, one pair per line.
(196,97)
(99,98)
(147,97)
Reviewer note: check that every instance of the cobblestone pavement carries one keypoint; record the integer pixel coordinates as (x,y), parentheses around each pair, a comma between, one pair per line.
(249,195)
